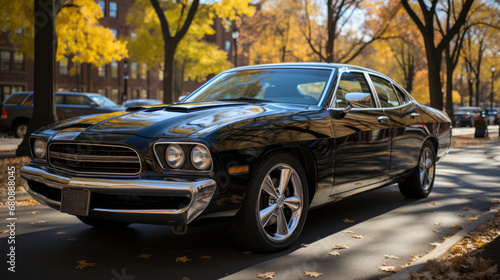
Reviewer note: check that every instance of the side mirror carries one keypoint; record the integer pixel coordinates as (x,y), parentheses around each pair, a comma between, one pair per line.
(358,100)
(182,97)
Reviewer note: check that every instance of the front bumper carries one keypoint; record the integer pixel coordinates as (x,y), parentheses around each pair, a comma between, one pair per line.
(197,193)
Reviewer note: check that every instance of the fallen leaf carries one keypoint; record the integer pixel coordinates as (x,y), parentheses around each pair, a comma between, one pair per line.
(334,253)
(185,278)
(346,220)
(435,244)
(437,224)
(247,252)
(5,231)
(144,256)
(267,275)
(432,203)
(466,208)
(390,257)
(84,264)
(312,274)
(182,259)
(452,181)
(357,236)
(436,230)
(431,211)
(338,247)
(34,212)
(461,215)
(41,222)
(205,257)
(348,231)
(71,239)
(303,245)
(387,268)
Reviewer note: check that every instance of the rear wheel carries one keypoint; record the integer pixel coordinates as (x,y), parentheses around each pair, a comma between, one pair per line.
(102,223)
(275,207)
(419,184)
(20,128)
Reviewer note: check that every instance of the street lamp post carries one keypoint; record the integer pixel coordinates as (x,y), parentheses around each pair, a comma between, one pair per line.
(125,80)
(470,91)
(492,86)
(235,34)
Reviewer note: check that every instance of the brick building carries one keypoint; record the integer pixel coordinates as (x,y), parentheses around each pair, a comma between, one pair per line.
(144,81)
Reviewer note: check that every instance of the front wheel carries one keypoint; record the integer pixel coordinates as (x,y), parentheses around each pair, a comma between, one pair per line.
(275,207)
(419,184)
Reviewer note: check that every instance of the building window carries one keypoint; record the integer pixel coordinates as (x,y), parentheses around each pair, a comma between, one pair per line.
(102,71)
(160,71)
(113,9)
(143,94)
(115,32)
(11,61)
(63,66)
(114,95)
(228,46)
(143,71)
(160,95)
(114,69)
(103,91)
(102,5)
(133,70)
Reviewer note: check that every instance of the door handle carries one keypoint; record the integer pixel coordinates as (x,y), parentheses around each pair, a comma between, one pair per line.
(415,115)
(382,119)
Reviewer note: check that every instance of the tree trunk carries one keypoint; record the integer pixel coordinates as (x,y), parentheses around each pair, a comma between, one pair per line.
(449,86)
(331,34)
(434,68)
(44,106)
(168,73)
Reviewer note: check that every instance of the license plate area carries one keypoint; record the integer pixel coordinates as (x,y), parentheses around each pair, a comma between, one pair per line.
(75,201)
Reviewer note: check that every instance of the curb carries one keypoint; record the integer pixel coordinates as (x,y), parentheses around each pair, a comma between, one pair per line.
(443,249)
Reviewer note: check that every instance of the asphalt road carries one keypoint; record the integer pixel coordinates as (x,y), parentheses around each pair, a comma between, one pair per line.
(48,243)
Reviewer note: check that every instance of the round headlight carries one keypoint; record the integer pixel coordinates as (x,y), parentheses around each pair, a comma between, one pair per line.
(174,155)
(39,148)
(200,157)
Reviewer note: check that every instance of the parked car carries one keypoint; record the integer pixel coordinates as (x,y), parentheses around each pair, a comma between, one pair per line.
(257,146)
(464,116)
(493,115)
(18,108)
(141,102)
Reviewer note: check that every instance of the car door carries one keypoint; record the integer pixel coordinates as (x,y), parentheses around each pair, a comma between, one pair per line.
(78,105)
(407,132)
(362,137)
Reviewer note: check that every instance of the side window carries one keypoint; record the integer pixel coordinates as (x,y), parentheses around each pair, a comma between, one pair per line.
(402,96)
(29,101)
(74,100)
(385,92)
(351,82)
(59,99)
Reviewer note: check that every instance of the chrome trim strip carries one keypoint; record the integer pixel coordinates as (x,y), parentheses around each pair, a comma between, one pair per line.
(195,171)
(96,173)
(94,158)
(201,192)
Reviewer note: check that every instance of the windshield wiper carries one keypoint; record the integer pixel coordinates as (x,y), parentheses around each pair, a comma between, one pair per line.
(244,98)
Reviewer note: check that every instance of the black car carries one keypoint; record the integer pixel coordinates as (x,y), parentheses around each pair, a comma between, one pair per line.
(464,116)
(256,146)
(17,109)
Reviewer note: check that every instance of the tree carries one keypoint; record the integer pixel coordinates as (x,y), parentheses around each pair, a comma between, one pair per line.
(76,33)
(428,22)
(175,29)
(346,39)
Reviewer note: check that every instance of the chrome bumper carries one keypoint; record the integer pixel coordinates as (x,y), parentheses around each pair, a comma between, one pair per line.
(200,193)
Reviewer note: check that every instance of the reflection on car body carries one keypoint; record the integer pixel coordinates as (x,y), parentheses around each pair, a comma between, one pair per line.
(256,146)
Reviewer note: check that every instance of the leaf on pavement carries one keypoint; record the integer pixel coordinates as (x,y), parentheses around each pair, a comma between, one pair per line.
(144,256)
(182,259)
(5,231)
(435,244)
(34,212)
(432,203)
(303,245)
(42,222)
(466,208)
(334,253)
(387,268)
(390,257)
(312,274)
(267,275)
(438,224)
(348,231)
(357,236)
(461,215)
(247,252)
(72,239)
(338,247)
(346,220)
(205,257)
(84,264)
(436,230)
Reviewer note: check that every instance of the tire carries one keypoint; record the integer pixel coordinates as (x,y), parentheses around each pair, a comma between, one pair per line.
(419,184)
(273,214)
(20,128)
(102,223)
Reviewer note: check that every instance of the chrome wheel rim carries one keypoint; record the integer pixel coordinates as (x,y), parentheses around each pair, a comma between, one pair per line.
(426,167)
(280,202)
(21,130)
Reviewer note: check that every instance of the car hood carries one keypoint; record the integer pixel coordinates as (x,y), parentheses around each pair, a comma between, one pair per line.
(177,120)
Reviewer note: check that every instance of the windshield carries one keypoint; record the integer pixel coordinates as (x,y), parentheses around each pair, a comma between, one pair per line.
(301,86)
(102,101)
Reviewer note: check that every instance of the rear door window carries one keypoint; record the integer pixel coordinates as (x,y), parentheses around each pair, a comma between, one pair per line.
(77,100)
(385,92)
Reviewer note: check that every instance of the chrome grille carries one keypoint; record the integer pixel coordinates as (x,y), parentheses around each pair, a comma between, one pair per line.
(94,159)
